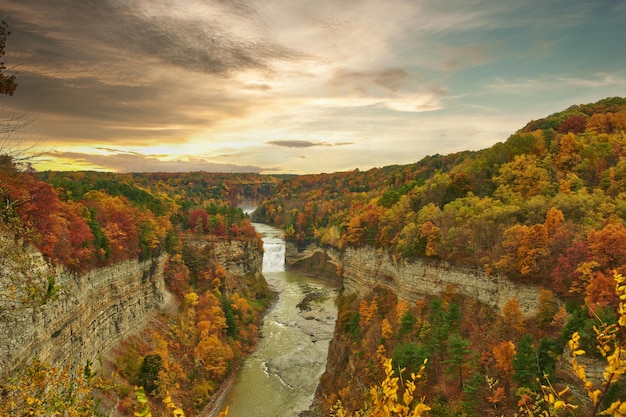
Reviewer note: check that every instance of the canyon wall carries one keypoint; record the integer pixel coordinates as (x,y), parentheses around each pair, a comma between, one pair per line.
(239,257)
(93,311)
(96,310)
(364,269)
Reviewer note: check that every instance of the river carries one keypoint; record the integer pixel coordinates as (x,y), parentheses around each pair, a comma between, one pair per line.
(281,376)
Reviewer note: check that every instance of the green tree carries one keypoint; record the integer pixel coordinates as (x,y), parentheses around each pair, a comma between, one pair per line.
(409,355)
(407,322)
(525,363)
(458,350)
(149,371)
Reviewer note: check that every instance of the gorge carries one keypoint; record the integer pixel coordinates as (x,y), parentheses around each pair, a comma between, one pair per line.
(100,308)
(96,310)
(281,376)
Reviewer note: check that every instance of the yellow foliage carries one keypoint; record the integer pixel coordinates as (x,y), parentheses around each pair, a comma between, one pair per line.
(387,400)
(386,329)
(39,390)
(612,346)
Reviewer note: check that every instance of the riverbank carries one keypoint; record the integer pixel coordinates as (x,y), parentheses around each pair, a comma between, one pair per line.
(215,404)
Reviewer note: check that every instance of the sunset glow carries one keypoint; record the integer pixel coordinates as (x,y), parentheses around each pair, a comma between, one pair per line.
(291,87)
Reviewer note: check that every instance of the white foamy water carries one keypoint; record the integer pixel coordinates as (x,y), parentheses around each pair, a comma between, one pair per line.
(274,247)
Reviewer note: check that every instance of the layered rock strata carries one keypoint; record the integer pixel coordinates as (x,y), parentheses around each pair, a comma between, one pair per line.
(364,269)
(93,311)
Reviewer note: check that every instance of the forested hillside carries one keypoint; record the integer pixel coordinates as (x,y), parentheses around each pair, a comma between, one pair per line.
(545,207)
(87,220)
(552,194)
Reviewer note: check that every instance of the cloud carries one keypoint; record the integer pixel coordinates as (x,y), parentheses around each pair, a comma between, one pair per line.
(160,82)
(133,162)
(304,143)
(596,80)
(375,83)
(211,37)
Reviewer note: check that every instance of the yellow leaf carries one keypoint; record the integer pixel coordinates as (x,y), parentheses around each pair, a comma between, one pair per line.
(594,395)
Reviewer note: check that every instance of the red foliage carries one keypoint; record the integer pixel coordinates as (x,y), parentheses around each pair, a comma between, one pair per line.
(119,222)
(608,246)
(601,291)
(59,229)
(576,124)
(565,275)
(198,220)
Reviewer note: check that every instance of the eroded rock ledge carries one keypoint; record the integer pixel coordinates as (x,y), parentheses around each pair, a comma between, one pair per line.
(96,310)
(363,269)
(92,313)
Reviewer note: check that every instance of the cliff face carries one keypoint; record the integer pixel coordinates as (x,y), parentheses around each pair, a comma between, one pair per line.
(364,269)
(239,257)
(92,313)
(96,310)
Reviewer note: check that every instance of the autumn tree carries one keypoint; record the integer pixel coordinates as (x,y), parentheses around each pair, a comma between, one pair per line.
(575,123)
(503,354)
(512,318)
(38,390)
(198,220)
(522,178)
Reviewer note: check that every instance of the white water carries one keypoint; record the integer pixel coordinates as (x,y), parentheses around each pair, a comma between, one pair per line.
(281,376)
(274,247)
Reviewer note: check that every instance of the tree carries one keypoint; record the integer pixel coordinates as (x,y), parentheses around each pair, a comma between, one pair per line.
(198,220)
(7,82)
(608,245)
(38,390)
(522,178)
(525,362)
(512,317)
(458,350)
(503,353)
(151,365)
(387,400)
(575,123)
(611,344)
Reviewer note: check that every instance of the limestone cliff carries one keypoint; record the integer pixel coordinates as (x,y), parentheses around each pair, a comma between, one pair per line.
(364,269)
(239,257)
(96,310)
(92,312)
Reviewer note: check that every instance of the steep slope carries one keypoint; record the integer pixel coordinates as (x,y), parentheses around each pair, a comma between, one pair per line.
(543,211)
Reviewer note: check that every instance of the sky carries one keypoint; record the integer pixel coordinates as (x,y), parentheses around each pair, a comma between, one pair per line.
(297,86)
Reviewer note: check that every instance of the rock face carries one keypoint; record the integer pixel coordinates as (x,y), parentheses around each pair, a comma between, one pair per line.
(96,310)
(364,269)
(239,257)
(92,313)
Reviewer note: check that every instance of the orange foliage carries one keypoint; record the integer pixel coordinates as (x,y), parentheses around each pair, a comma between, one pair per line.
(503,354)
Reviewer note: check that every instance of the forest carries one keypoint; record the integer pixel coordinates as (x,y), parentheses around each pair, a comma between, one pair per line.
(86,220)
(545,207)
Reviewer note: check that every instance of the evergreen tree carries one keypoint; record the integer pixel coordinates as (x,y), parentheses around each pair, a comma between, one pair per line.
(458,350)
(525,363)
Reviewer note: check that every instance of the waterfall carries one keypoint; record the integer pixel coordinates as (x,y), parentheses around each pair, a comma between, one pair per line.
(274,256)
(273,246)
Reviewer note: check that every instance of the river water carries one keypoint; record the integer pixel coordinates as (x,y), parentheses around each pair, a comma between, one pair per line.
(280,377)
